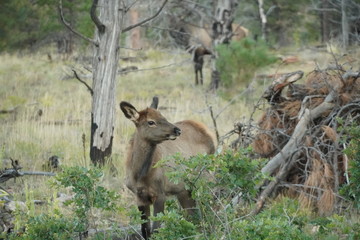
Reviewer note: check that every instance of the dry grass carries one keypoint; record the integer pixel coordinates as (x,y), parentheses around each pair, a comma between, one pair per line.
(53,112)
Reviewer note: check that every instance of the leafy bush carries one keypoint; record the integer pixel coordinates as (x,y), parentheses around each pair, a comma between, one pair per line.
(239,60)
(88,193)
(352,190)
(55,227)
(176,226)
(214,181)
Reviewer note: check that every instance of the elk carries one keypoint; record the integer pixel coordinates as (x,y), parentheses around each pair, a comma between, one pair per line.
(154,139)
(198,59)
(198,41)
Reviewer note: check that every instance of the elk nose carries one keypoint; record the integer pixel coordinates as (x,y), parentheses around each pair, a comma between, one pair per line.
(177,131)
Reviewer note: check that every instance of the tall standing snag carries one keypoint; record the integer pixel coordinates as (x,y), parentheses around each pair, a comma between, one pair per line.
(222,33)
(109,26)
(151,143)
(105,62)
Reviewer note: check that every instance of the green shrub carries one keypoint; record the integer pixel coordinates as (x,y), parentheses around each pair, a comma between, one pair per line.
(268,229)
(352,190)
(175,226)
(85,183)
(55,227)
(238,61)
(214,181)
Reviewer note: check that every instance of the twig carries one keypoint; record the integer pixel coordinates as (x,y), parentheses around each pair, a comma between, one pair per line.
(83,82)
(50,174)
(71,29)
(214,122)
(160,67)
(8,111)
(145,20)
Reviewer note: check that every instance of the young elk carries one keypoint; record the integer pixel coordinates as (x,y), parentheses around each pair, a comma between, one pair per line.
(198,59)
(149,144)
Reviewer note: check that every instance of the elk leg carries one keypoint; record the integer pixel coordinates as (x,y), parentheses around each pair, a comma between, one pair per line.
(201,77)
(196,78)
(187,202)
(159,206)
(145,227)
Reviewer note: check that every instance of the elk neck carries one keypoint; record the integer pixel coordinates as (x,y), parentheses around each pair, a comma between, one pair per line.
(142,157)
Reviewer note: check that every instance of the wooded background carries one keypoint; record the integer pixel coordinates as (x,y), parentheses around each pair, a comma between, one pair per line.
(30,24)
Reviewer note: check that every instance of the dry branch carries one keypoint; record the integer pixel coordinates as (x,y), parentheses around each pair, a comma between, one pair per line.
(13,110)
(7,174)
(83,82)
(302,132)
(145,20)
(298,135)
(70,28)
(100,26)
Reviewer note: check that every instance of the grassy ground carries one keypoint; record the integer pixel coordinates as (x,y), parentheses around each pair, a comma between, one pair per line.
(52,110)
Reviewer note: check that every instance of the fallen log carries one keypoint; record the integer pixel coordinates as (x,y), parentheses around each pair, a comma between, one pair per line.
(7,174)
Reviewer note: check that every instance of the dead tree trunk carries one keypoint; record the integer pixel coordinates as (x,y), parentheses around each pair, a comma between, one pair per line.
(105,64)
(263,19)
(222,33)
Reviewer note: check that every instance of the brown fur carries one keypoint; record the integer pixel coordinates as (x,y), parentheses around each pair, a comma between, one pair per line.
(148,146)
(198,59)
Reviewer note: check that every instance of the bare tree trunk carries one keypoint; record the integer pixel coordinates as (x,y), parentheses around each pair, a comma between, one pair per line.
(105,64)
(222,33)
(344,24)
(263,19)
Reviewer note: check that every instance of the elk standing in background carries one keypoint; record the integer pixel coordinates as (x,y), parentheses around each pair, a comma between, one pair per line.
(198,59)
(197,40)
(149,144)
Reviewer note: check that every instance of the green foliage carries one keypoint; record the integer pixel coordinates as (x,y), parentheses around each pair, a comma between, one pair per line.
(88,193)
(214,180)
(50,227)
(175,226)
(24,23)
(268,229)
(352,190)
(239,60)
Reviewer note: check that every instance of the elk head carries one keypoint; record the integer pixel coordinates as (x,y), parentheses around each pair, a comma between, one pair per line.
(150,124)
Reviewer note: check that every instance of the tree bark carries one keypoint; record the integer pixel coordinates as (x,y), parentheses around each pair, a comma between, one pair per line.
(221,33)
(105,64)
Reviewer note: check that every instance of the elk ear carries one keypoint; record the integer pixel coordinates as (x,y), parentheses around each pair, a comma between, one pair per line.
(129,111)
(155,102)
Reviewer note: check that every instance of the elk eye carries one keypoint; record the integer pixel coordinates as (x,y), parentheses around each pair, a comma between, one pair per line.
(151,123)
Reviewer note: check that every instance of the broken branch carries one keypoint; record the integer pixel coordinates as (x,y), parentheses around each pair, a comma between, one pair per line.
(145,20)
(70,28)
(83,82)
